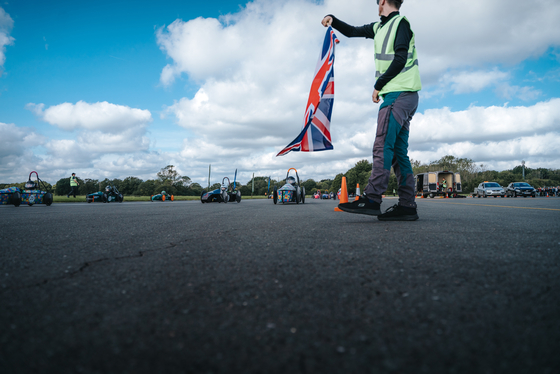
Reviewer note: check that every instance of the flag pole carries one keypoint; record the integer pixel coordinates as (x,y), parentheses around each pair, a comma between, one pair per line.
(209,170)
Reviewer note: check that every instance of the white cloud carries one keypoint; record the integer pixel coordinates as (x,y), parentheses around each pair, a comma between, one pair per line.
(6,25)
(526,93)
(480,124)
(100,116)
(490,135)
(468,34)
(103,130)
(466,82)
(16,154)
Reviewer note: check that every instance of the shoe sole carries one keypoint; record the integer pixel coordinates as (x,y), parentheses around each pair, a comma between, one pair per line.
(399,218)
(369,212)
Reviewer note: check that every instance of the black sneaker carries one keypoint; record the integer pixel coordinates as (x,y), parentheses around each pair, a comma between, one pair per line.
(362,206)
(399,213)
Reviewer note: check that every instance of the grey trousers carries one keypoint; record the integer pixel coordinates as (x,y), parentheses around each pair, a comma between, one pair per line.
(390,148)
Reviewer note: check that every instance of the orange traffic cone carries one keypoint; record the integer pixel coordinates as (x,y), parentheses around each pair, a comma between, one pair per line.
(343,195)
(357,193)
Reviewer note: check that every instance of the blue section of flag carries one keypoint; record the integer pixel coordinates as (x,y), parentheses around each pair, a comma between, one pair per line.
(316,134)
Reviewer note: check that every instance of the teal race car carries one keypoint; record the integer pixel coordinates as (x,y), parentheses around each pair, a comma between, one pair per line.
(163,196)
(111,194)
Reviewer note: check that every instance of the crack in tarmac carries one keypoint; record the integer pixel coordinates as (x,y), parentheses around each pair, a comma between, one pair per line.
(88,264)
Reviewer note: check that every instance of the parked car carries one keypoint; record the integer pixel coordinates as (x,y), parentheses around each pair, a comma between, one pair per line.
(486,189)
(520,189)
(431,184)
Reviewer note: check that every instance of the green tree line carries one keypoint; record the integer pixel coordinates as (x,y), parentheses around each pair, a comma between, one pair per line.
(169,180)
(471,173)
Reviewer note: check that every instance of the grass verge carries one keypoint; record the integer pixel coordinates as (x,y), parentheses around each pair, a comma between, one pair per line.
(82,198)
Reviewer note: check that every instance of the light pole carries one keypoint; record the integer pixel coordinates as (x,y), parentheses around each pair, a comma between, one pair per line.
(523,164)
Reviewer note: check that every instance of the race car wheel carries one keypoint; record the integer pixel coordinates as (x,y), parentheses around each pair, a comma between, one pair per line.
(303,195)
(48,199)
(298,195)
(16,198)
(238,196)
(225,196)
(275,195)
(431,196)
(105,198)
(202,194)
(121,198)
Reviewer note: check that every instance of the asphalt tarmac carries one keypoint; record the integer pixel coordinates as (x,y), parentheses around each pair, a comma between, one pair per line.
(182,287)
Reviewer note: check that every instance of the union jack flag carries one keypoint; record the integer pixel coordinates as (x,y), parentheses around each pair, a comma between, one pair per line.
(316,134)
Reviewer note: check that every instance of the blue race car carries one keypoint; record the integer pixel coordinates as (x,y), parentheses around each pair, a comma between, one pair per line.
(31,193)
(227,192)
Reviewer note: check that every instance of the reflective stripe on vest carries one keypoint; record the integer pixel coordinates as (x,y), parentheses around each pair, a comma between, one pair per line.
(409,77)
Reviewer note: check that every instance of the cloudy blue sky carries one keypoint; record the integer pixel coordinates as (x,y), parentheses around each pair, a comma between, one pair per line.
(123,88)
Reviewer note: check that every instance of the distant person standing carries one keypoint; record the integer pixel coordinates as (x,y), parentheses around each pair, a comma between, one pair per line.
(73,185)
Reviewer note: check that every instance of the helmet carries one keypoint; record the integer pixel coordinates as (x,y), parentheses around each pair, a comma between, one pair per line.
(108,188)
(291,180)
(163,193)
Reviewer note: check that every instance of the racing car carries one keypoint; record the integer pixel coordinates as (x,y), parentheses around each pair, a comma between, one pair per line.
(226,192)
(30,194)
(109,195)
(163,196)
(292,191)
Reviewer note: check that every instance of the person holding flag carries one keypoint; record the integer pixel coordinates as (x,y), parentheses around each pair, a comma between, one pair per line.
(398,83)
